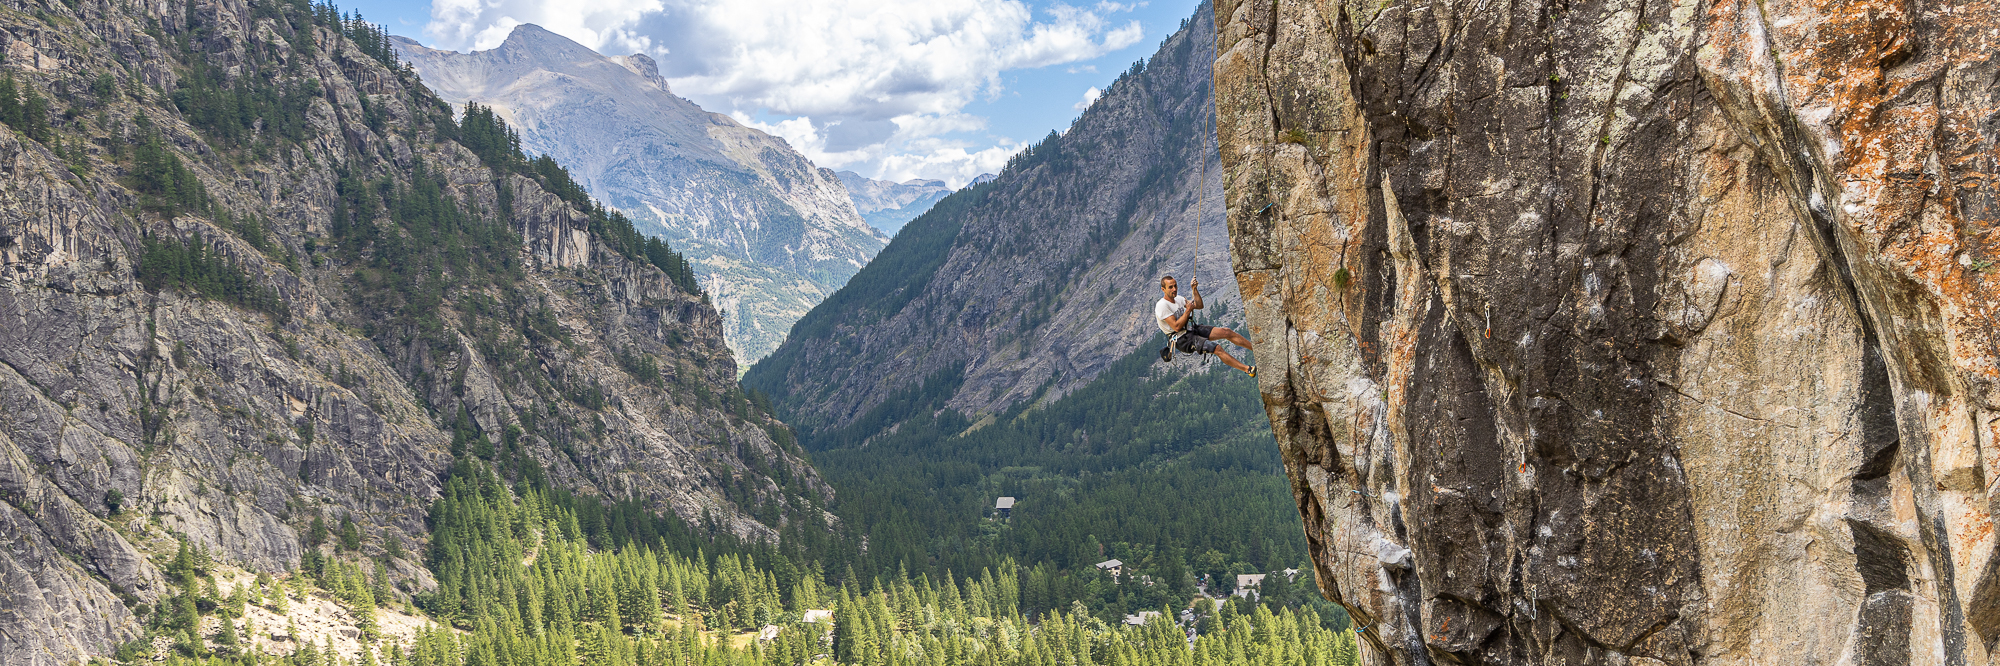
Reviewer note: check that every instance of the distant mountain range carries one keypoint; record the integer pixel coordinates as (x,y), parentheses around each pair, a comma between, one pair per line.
(888,206)
(769,233)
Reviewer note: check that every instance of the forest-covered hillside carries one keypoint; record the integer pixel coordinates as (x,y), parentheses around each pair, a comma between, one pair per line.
(1170,472)
(259,282)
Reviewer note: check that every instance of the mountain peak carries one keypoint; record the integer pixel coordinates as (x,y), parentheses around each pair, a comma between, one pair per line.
(754,217)
(528,31)
(644,66)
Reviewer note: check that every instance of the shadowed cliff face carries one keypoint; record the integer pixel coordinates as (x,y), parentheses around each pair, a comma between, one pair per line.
(1629,331)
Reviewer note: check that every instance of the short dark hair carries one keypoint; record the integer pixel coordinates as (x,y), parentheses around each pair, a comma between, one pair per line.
(1164,279)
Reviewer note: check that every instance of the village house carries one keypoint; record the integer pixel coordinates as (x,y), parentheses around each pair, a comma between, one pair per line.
(1141,618)
(1006,507)
(822,617)
(1115,567)
(1246,584)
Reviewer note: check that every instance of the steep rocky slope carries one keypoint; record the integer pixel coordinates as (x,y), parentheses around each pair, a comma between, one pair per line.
(770,233)
(1037,280)
(888,206)
(251,279)
(1626,332)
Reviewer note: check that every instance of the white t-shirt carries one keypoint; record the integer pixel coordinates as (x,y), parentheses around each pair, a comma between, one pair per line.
(1162,310)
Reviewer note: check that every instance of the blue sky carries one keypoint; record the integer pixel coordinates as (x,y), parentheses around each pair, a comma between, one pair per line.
(893,89)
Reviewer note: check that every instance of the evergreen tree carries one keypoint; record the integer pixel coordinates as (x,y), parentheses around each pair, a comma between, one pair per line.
(317,533)
(350,534)
(182,567)
(35,121)
(225,639)
(10,103)
(165,184)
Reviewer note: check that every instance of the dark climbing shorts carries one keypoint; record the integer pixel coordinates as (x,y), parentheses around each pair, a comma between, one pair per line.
(1195,340)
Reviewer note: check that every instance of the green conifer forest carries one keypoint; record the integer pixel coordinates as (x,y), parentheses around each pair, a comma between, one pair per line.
(520,582)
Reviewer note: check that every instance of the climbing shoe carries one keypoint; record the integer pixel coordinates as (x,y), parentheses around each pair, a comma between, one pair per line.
(1167,354)
(1252,371)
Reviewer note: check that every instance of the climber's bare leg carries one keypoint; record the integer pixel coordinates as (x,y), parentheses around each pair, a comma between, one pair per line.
(1230,360)
(1220,333)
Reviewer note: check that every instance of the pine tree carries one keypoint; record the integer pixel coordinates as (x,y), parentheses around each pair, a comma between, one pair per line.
(36,121)
(181,567)
(203,562)
(350,534)
(10,102)
(380,584)
(226,640)
(185,615)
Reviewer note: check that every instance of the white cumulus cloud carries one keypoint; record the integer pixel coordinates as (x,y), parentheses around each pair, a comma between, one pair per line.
(1089,98)
(914,152)
(869,85)
(477,25)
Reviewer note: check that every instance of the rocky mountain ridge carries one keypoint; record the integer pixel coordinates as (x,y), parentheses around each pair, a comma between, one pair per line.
(1629,333)
(769,233)
(1027,286)
(256,275)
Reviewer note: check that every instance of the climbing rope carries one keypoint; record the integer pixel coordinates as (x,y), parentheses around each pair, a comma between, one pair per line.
(1200,208)
(1194,264)
(1365,636)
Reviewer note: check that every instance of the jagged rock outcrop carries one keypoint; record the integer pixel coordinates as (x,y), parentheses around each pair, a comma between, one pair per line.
(770,233)
(888,206)
(1037,280)
(1626,332)
(331,383)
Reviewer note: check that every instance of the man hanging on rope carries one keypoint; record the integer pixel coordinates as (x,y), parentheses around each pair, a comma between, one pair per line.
(1175,311)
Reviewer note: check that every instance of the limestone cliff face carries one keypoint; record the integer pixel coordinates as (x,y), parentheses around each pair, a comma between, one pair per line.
(770,233)
(131,417)
(1629,332)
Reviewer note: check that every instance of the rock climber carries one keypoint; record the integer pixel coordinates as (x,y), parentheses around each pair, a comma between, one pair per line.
(1174,312)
